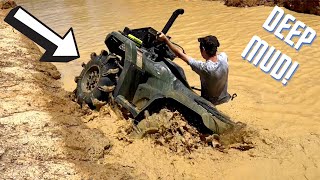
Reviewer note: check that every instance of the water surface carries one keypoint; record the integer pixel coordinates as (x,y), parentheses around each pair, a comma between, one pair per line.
(261,100)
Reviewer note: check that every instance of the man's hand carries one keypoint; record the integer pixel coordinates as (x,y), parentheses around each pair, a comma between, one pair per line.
(162,37)
(177,51)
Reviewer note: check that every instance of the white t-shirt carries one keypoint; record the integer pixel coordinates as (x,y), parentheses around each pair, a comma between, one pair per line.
(214,78)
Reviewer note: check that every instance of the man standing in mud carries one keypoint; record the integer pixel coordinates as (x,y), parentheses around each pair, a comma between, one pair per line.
(213,73)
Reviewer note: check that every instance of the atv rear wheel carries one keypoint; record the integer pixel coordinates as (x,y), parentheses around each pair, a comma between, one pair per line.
(97,80)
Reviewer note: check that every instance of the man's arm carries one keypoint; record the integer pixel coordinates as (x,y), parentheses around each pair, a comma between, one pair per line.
(197,66)
(177,51)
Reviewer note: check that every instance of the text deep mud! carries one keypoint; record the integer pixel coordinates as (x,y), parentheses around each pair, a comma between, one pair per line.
(279,65)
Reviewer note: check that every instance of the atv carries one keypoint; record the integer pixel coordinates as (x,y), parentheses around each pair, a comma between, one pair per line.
(139,74)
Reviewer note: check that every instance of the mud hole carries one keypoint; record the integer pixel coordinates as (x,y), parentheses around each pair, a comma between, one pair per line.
(46,135)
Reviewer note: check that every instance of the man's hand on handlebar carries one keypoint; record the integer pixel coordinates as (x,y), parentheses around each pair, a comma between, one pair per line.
(162,37)
(177,51)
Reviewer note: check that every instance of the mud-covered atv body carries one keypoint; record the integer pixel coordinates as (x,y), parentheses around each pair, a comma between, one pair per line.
(138,72)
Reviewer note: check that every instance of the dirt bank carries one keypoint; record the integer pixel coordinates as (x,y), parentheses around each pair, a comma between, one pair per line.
(45,135)
(304,6)
(6,4)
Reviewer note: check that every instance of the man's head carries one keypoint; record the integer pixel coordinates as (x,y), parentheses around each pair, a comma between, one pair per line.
(208,46)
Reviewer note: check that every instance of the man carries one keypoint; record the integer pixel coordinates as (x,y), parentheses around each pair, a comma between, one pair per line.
(213,73)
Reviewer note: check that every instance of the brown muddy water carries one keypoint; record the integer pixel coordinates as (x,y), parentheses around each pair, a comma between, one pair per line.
(262,101)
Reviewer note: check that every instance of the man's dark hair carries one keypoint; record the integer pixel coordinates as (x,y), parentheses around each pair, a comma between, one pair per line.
(209,44)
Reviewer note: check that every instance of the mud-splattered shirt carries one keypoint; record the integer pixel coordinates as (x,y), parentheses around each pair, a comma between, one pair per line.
(214,78)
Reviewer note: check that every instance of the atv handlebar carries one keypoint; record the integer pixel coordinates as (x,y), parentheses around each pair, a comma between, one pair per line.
(147,37)
(173,17)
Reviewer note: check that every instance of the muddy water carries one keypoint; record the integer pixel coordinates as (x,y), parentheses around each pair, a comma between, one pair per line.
(261,101)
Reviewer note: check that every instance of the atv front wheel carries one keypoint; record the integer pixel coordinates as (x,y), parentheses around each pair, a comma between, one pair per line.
(97,80)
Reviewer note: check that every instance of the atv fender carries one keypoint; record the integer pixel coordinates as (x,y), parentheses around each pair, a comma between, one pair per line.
(203,119)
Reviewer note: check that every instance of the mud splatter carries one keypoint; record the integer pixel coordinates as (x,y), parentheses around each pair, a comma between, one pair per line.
(171,130)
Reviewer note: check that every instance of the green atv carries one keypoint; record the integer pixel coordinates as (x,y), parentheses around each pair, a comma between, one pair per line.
(139,74)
